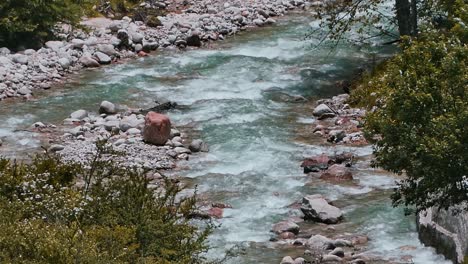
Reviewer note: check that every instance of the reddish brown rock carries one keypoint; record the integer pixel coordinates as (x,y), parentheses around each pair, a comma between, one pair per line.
(216,212)
(157,128)
(287,235)
(315,164)
(337,173)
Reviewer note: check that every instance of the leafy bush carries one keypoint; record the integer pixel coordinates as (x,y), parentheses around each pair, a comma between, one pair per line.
(58,212)
(24,20)
(420,114)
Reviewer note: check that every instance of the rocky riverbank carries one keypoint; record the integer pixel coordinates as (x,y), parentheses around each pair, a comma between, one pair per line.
(142,139)
(318,226)
(188,23)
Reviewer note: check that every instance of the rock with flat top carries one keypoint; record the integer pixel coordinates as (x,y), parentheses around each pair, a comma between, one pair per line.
(316,208)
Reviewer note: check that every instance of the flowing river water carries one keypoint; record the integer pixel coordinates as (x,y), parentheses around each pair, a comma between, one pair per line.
(237,97)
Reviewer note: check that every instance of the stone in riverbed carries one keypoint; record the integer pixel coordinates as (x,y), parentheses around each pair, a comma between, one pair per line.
(55,148)
(4,51)
(316,208)
(24,91)
(285,226)
(319,242)
(107,49)
(79,114)
(102,58)
(21,59)
(89,62)
(336,136)
(64,62)
(315,164)
(157,129)
(54,45)
(198,145)
(322,109)
(287,260)
(337,173)
(107,108)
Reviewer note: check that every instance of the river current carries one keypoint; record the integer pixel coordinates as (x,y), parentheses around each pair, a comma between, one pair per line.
(238,96)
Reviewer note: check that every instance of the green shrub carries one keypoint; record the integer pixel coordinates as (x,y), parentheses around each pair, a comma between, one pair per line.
(53,211)
(28,21)
(420,100)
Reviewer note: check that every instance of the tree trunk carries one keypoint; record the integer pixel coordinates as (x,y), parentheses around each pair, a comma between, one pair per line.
(403,15)
(414,18)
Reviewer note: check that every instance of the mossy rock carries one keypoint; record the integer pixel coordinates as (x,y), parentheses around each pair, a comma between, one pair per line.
(152,21)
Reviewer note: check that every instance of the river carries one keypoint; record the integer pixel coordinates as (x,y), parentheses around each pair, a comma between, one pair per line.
(237,97)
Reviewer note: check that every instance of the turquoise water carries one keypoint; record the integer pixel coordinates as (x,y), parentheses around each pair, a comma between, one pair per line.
(237,97)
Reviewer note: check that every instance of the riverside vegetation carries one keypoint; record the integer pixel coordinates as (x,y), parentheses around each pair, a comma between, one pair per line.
(62,212)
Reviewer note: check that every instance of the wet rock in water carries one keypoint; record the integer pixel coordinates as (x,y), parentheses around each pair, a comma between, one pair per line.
(79,114)
(55,148)
(337,173)
(316,208)
(194,39)
(107,108)
(285,226)
(331,258)
(315,164)
(198,145)
(287,260)
(336,136)
(338,252)
(162,106)
(319,242)
(326,116)
(89,62)
(174,133)
(216,212)
(157,129)
(322,109)
(287,235)
(182,150)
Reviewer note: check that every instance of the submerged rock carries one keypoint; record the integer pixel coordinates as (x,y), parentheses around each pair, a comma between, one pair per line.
(198,145)
(337,172)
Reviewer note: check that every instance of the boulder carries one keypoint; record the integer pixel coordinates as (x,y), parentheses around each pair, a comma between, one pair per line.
(102,58)
(336,136)
(79,114)
(322,109)
(137,37)
(107,108)
(285,226)
(54,45)
(89,62)
(107,49)
(445,231)
(315,164)
(198,145)
(55,148)
(316,208)
(157,128)
(287,260)
(77,43)
(64,62)
(194,40)
(338,252)
(216,212)
(319,242)
(337,173)
(24,91)
(4,51)
(21,59)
